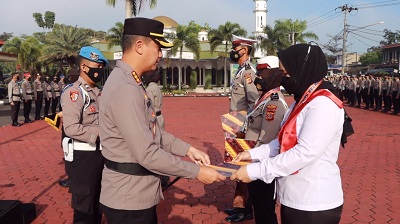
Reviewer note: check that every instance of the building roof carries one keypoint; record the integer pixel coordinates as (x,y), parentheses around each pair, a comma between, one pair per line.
(390,46)
(168,22)
(6,57)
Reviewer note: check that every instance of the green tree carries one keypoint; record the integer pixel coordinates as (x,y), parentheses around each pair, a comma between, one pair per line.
(28,51)
(114,36)
(374,56)
(276,40)
(132,7)
(185,36)
(390,37)
(47,22)
(223,36)
(5,36)
(296,30)
(64,43)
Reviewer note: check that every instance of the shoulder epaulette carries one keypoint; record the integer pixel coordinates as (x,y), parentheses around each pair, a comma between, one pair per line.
(274,96)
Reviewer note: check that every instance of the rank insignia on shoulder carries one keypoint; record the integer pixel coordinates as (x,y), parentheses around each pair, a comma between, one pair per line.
(270,113)
(274,96)
(248,78)
(73,95)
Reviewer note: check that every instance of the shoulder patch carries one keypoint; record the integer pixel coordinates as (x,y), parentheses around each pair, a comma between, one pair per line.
(73,95)
(270,112)
(248,78)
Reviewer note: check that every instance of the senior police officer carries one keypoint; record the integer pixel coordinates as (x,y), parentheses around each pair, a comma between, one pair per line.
(243,91)
(263,126)
(84,162)
(27,96)
(14,97)
(136,151)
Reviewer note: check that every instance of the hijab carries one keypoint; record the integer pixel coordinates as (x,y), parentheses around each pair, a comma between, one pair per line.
(306,64)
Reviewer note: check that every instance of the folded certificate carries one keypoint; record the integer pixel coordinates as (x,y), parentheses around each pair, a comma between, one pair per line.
(226,169)
(54,121)
(234,146)
(232,122)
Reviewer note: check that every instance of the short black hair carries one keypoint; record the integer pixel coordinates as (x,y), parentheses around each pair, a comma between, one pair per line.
(128,40)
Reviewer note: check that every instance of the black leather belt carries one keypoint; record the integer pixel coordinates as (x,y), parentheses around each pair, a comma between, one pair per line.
(128,168)
(29,93)
(158,113)
(56,90)
(16,95)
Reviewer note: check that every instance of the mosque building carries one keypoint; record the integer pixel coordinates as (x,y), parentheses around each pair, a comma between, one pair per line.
(205,74)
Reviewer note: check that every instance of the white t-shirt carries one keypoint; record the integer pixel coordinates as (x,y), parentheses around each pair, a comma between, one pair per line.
(317,185)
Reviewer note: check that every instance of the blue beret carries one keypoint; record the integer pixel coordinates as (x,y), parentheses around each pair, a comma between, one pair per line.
(92,54)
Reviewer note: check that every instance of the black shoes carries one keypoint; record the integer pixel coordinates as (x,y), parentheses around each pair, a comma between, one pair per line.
(16,124)
(65,182)
(239,217)
(231,211)
(28,121)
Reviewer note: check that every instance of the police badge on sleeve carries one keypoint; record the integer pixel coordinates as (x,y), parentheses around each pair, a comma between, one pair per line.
(73,95)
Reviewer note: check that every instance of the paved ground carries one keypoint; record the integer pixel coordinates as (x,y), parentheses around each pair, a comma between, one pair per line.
(31,165)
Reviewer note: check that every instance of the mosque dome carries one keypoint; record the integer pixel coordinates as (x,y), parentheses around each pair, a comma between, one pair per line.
(168,22)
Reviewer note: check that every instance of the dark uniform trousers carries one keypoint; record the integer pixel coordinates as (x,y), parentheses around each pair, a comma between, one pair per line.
(386,100)
(364,93)
(351,97)
(85,174)
(396,102)
(358,94)
(27,108)
(378,99)
(294,216)
(54,104)
(144,216)
(263,197)
(38,104)
(371,97)
(46,106)
(15,111)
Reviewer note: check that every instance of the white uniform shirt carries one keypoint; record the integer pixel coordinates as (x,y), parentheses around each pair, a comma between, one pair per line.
(317,186)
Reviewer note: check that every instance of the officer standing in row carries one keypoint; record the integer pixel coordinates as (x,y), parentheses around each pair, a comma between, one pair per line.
(80,103)
(27,95)
(49,95)
(243,96)
(14,97)
(386,84)
(57,93)
(38,94)
(264,122)
(135,149)
(395,91)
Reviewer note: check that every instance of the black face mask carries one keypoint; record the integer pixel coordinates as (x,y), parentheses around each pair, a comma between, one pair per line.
(29,79)
(17,78)
(290,84)
(269,79)
(95,74)
(234,55)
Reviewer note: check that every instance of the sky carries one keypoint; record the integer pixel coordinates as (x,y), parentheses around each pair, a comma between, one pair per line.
(323,19)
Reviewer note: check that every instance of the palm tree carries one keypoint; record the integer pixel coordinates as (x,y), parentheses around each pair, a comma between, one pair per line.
(114,38)
(185,36)
(28,51)
(132,7)
(295,30)
(64,43)
(223,35)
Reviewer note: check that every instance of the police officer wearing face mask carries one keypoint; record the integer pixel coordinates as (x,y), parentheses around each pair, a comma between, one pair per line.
(243,96)
(81,144)
(243,91)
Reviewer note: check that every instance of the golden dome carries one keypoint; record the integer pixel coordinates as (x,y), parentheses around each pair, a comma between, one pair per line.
(168,22)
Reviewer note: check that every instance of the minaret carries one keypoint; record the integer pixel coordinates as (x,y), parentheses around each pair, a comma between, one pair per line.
(260,12)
